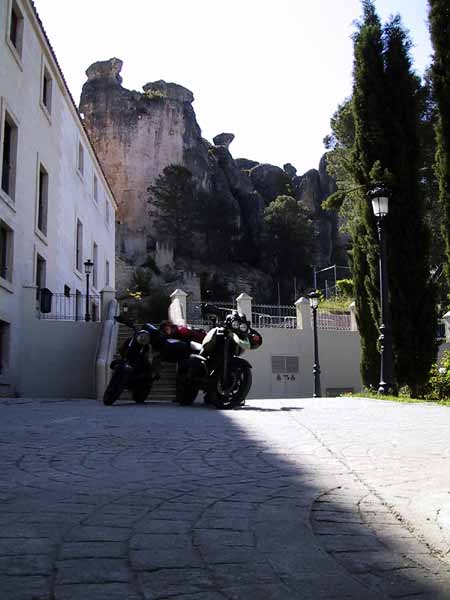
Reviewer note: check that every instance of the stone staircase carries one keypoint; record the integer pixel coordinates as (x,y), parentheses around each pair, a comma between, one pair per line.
(164,388)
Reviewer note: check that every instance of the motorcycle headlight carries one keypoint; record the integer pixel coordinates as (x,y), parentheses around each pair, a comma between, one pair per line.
(243,327)
(235,324)
(143,337)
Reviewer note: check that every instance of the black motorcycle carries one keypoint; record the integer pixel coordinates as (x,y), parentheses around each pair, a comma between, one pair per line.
(135,369)
(215,366)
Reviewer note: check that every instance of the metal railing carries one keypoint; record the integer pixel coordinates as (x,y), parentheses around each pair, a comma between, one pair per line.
(273,315)
(194,314)
(67,307)
(337,320)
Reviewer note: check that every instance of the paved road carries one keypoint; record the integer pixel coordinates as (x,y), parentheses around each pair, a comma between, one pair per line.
(282,500)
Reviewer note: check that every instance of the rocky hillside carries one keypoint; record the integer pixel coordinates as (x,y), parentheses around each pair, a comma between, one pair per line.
(137,134)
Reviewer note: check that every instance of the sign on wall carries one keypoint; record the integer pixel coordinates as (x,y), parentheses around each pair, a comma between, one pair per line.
(285,376)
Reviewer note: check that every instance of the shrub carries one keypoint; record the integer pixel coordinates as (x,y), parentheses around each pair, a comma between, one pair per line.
(344,287)
(439,381)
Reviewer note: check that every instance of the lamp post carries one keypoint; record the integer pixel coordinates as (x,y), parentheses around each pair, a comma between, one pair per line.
(88,266)
(314,299)
(380,206)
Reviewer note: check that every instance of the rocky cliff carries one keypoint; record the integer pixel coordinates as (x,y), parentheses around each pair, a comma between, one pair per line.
(137,134)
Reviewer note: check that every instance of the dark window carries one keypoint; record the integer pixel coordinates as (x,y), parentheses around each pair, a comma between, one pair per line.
(47,90)
(42,200)
(107,274)
(4,345)
(80,158)
(79,246)
(67,291)
(6,251)
(9,156)
(78,307)
(41,268)
(95,267)
(16,28)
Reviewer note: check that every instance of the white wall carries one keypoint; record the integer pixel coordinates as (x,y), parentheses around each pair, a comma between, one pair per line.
(51,139)
(339,357)
(58,360)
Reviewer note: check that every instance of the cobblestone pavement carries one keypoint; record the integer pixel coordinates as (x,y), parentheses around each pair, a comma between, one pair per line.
(282,500)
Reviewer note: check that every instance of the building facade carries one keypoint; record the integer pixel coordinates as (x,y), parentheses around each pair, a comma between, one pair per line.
(56,207)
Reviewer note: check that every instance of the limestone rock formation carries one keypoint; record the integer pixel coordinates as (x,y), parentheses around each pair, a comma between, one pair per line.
(137,134)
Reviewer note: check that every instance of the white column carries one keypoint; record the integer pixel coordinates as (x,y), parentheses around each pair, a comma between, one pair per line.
(446,318)
(106,295)
(303,314)
(244,305)
(178,307)
(353,324)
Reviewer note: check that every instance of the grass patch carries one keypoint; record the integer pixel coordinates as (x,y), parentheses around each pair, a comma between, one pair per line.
(401,399)
(337,303)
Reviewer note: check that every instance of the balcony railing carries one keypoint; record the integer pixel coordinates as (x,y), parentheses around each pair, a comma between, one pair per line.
(67,307)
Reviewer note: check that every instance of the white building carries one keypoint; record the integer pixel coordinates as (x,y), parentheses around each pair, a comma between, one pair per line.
(56,208)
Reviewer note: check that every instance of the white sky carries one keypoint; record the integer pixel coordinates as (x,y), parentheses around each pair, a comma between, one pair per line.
(270,71)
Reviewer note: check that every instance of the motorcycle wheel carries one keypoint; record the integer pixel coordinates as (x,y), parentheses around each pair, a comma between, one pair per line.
(114,389)
(140,393)
(234,394)
(186,393)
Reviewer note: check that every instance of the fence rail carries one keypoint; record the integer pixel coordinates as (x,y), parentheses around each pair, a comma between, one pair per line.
(272,315)
(285,317)
(337,321)
(67,307)
(194,313)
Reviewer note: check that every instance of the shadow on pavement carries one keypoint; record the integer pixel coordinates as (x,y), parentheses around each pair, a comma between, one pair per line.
(193,505)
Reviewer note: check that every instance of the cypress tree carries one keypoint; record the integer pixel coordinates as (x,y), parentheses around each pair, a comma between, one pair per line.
(369,113)
(440,37)
(412,294)
(386,149)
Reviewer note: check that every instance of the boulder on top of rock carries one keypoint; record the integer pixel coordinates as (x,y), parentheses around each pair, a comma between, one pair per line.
(290,170)
(223,139)
(105,69)
(171,91)
(270,181)
(245,164)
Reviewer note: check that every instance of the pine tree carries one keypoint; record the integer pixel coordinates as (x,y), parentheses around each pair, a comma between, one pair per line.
(288,238)
(172,205)
(440,37)
(412,294)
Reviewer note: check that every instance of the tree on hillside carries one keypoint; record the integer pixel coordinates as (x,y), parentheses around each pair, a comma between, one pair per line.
(216,221)
(439,29)
(172,204)
(288,242)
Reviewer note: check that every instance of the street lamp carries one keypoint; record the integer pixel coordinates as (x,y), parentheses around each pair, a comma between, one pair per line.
(88,266)
(314,299)
(380,205)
